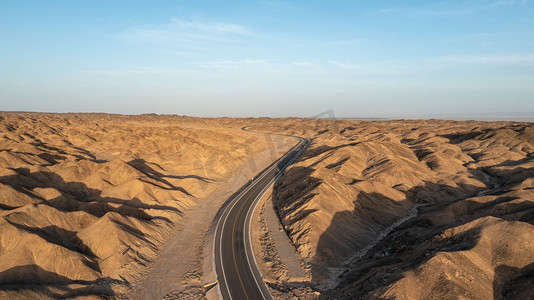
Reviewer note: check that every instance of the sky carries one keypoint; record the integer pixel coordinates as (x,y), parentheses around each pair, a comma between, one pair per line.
(268,58)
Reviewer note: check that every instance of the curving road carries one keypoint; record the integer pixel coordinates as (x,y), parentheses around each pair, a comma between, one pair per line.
(235,265)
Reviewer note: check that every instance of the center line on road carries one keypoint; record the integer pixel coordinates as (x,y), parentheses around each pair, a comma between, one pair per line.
(233,248)
(249,196)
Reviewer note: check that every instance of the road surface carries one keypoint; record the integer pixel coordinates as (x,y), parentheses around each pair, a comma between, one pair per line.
(235,265)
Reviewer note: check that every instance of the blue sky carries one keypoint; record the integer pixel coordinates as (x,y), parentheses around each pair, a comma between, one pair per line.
(268,58)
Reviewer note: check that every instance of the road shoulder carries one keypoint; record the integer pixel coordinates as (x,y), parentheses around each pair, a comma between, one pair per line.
(284,274)
(184,270)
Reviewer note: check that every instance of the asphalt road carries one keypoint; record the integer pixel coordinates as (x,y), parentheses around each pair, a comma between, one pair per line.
(235,265)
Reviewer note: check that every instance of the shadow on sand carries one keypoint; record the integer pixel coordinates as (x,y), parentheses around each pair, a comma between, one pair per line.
(405,247)
(73,197)
(32,281)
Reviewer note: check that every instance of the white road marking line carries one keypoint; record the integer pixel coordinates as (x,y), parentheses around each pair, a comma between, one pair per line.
(249,217)
(229,208)
(227,211)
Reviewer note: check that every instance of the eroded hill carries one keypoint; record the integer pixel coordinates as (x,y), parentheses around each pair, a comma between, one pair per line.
(412,209)
(86,200)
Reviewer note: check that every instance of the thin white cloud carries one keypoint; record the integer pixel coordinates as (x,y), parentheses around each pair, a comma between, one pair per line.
(180,24)
(383,68)
(185,33)
(236,64)
(147,71)
(448,9)
(345,42)
(306,64)
(492,59)
(348,66)
(427,12)
(124,72)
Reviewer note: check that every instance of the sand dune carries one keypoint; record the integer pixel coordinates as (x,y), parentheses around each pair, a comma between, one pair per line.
(411,209)
(87,199)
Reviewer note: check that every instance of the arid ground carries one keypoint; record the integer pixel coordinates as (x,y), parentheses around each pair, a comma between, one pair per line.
(409,210)
(88,200)
(112,206)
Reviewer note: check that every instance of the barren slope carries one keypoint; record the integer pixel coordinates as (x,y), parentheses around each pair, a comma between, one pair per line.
(87,200)
(412,209)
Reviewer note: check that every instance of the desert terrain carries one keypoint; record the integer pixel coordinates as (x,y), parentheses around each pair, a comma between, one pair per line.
(88,200)
(407,209)
(113,206)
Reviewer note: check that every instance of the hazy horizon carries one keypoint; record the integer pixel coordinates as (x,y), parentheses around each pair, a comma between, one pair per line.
(268,58)
(512,116)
